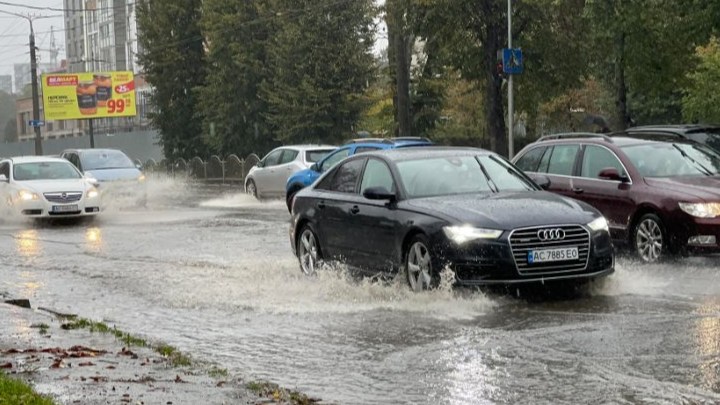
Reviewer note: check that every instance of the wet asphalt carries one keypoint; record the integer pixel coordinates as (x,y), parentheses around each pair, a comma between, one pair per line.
(209,270)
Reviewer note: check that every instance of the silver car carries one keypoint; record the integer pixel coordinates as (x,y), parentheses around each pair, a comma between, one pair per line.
(267,179)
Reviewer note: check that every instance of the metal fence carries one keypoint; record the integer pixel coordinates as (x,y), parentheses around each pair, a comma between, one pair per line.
(230,170)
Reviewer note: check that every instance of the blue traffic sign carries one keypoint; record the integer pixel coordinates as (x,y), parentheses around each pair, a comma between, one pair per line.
(512,61)
(36,123)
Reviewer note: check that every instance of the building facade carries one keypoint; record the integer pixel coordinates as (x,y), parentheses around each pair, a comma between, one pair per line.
(6,84)
(23,74)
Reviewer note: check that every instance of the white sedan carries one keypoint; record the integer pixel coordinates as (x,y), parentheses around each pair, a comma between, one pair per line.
(45,187)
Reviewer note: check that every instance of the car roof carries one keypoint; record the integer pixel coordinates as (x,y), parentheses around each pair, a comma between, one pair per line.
(431,152)
(678,129)
(618,139)
(36,159)
(305,147)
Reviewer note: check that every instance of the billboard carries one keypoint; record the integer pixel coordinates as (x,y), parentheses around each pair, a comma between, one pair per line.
(88,95)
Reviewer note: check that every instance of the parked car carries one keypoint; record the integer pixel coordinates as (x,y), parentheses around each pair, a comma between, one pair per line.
(115,173)
(426,209)
(267,178)
(306,177)
(42,187)
(661,196)
(708,135)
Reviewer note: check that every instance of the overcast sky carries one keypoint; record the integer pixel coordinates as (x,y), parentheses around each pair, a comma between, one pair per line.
(14,33)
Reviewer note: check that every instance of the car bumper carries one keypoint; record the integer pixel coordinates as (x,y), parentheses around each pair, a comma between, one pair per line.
(493,263)
(46,209)
(700,235)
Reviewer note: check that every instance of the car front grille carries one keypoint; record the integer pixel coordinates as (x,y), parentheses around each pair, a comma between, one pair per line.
(63,198)
(522,241)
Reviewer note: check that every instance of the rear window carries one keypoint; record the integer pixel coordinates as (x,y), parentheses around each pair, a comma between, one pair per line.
(111,159)
(313,156)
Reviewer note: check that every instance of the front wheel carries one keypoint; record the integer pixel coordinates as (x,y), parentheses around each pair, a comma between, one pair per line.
(649,238)
(308,251)
(251,189)
(418,265)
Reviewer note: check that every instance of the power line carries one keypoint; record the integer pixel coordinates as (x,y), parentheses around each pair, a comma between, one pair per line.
(64,10)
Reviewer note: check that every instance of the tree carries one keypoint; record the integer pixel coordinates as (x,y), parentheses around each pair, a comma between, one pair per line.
(172,56)
(398,15)
(233,113)
(322,65)
(701,100)
(10,133)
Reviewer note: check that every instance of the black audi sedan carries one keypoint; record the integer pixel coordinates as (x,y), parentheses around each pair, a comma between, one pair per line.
(424,210)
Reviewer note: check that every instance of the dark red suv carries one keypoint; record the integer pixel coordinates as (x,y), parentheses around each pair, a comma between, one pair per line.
(660,196)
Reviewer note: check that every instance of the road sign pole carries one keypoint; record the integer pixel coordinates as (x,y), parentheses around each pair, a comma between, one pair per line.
(92,133)
(511,146)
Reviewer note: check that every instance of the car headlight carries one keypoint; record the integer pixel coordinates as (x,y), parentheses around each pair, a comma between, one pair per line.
(141,177)
(599,224)
(465,233)
(92,193)
(701,210)
(27,195)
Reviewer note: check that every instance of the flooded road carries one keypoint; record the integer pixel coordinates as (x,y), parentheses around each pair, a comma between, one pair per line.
(211,272)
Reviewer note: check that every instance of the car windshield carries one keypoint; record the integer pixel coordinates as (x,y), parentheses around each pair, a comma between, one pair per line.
(459,175)
(313,156)
(673,159)
(110,159)
(711,138)
(45,171)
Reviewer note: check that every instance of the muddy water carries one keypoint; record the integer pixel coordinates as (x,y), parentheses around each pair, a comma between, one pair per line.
(210,271)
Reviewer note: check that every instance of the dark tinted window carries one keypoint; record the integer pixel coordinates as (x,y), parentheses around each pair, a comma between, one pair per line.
(105,159)
(5,169)
(671,160)
(334,158)
(710,138)
(562,160)
(377,174)
(346,176)
(596,158)
(288,156)
(531,160)
(365,149)
(313,156)
(272,159)
(545,161)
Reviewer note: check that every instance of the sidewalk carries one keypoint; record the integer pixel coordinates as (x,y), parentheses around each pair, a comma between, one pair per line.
(82,367)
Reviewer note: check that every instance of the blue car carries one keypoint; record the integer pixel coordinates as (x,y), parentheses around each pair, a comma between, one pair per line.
(304,178)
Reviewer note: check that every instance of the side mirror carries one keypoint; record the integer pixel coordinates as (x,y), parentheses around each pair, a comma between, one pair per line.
(542,181)
(4,179)
(315,167)
(260,164)
(379,193)
(611,173)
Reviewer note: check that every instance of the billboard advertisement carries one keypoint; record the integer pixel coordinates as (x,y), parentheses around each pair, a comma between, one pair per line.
(71,96)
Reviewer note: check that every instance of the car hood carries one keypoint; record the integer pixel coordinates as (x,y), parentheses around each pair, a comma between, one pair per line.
(508,210)
(54,186)
(703,187)
(129,173)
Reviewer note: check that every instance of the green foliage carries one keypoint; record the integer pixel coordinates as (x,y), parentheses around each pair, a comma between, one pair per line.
(461,121)
(322,63)
(7,117)
(15,392)
(172,56)
(233,114)
(701,100)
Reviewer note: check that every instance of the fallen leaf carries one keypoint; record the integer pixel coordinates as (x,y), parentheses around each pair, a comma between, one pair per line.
(58,363)
(178,379)
(83,379)
(126,352)
(99,379)
(86,364)
(220,384)
(111,367)
(6,365)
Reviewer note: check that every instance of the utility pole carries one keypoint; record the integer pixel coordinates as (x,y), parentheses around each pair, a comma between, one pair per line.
(33,76)
(35,97)
(511,146)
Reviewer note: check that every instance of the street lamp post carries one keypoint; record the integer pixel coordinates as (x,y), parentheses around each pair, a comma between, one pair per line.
(511,146)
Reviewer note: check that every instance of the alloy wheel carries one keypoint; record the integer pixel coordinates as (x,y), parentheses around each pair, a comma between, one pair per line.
(308,252)
(419,268)
(251,189)
(649,240)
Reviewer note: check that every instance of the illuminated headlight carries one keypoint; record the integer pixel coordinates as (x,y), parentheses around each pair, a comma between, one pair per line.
(599,224)
(27,195)
(462,234)
(141,177)
(701,210)
(92,193)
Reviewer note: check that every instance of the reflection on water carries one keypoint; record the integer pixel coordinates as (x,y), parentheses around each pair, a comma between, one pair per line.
(472,380)
(93,238)
(707,336)
(26,243)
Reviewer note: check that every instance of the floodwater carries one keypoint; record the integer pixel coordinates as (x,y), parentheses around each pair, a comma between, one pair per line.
(210,271)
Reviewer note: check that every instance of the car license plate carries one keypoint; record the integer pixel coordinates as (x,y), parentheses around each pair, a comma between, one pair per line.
(552,255)
(65,208)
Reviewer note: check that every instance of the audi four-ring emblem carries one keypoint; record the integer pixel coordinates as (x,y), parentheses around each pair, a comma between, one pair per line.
(551,234)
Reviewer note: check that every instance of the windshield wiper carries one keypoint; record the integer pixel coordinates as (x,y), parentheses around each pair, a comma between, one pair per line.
(698,164)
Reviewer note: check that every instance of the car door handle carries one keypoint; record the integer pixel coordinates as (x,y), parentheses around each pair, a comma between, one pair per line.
(321,205)
(578,190)
(354,210)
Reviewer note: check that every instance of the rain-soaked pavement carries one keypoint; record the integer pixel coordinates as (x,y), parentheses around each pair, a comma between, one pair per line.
(210,271)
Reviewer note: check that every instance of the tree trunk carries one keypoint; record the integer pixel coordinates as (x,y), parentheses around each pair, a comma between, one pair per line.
(402,71)
(495,127)
(623,116)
